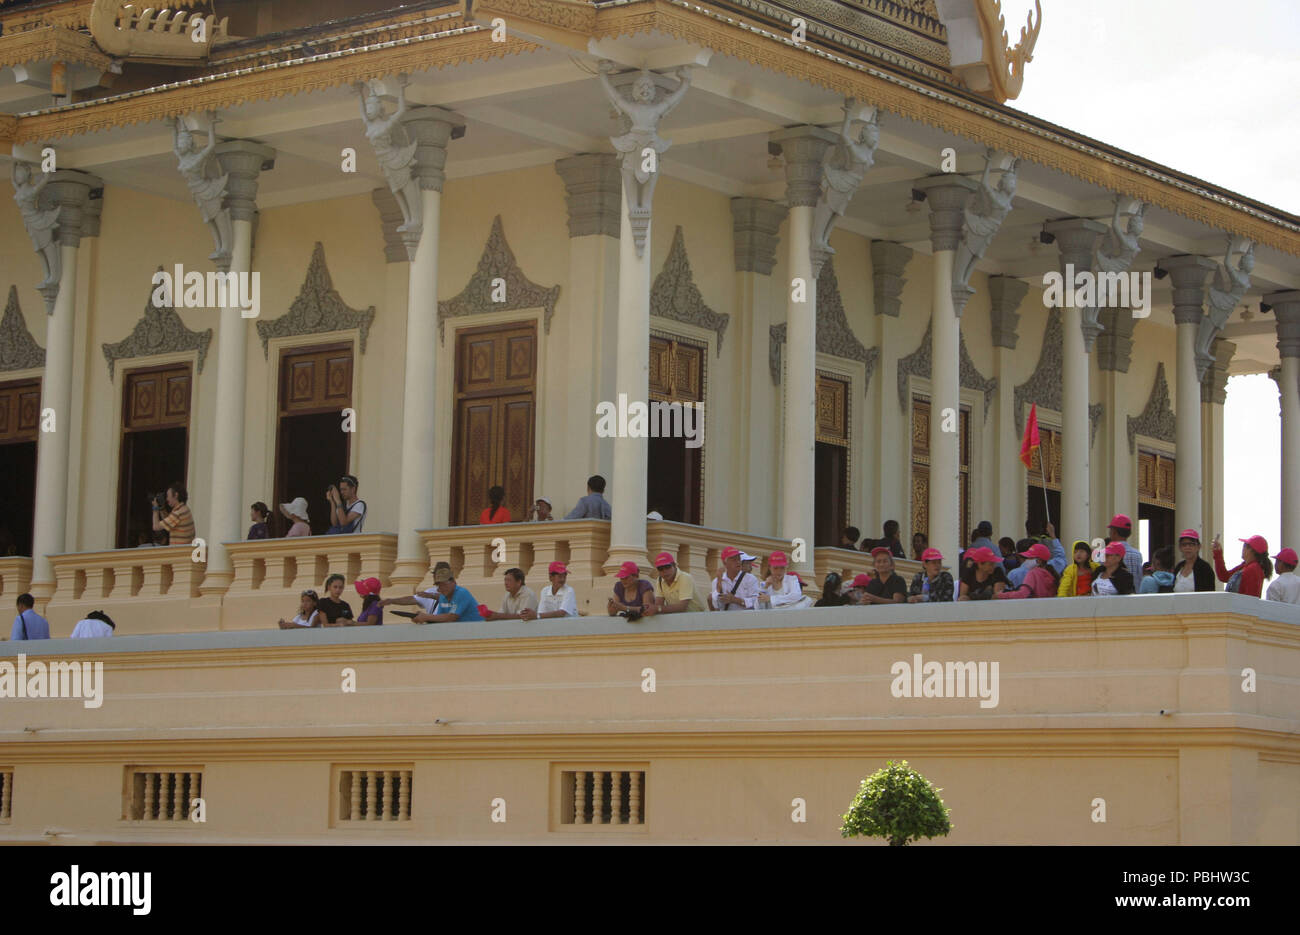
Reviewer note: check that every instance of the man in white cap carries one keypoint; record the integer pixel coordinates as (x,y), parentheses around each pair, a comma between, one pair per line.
(540,511)
(296,511)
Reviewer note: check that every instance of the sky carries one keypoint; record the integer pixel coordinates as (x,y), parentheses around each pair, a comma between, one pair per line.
(1212,90)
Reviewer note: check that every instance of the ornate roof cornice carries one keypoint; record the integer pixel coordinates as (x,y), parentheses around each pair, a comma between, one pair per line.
(51,43)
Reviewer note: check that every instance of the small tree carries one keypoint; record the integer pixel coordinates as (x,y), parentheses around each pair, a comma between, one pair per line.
(899,804)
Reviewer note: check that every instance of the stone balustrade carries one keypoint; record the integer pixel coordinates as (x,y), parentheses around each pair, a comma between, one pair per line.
(15,578)
(850,563)
(143,590)
(698,549)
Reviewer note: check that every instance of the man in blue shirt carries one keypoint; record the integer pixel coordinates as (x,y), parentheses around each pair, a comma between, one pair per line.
(29,625)
(593,505)
(1017,575)
(454,602)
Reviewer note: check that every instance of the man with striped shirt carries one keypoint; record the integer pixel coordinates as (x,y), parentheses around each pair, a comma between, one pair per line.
(179,523)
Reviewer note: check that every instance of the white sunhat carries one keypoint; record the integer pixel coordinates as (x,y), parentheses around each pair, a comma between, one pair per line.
(297,508)
(746,557)
(546,500)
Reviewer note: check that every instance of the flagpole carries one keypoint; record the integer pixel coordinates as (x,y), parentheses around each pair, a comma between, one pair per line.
(1042,469)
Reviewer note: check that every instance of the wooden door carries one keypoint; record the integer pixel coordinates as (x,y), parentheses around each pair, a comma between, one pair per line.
(312,450)
(154,449)
(675,472)
(493,439)
(20,415)
(831,460)
(1157,474)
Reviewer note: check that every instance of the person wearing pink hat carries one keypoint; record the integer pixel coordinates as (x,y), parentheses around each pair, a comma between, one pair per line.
(1113,579)
(984,579)
(932,585)
(734,589)
(634,597)
(887,585)
(675,589)
(1039,581)
(1287,586)
(372,612)
(781,590)
(1121,527)
(1247,578)
(1193,573)
(558,599)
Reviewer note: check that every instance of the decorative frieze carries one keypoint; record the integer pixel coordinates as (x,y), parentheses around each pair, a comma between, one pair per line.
(888,266)
(919,363)
(755,223)
(1115,343)
(18,349)
(1157,417)
(834,335)
(483,294)
(159,331)
(1044,384)
(1005,296)
(593,191)
(675,296)
(317,309)
(1214,388)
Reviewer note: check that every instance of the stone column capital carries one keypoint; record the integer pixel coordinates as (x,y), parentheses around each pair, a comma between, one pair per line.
(243,161)
(804,150)
(1214,388)
(888,264)
(947,196)
(1005,295)
(593,190)
(92,213)
(1115,344)
(431,129)
(1076,238)
(69,190)
(755,223)
(399,245)
(1188,274)
(1286,306)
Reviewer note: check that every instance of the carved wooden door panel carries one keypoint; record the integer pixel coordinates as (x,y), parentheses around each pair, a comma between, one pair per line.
(20,417)
(675,478)
(920,513)
(495,419)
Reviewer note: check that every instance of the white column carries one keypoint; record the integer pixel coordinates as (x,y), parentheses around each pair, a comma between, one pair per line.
(1115,483)
(1188,275)
(947,196)
(1286,306)
(243,161)
(1077,240)
(70,191)
(1214,392)
(889,492)
(432,128)
(1005,296)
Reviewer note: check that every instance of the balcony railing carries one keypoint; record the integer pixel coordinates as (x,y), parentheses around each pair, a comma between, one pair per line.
(15,578)
(827,559)
(155,588)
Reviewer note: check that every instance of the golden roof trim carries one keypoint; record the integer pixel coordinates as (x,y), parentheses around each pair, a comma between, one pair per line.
(73,14)
(1006,65)
(51,42)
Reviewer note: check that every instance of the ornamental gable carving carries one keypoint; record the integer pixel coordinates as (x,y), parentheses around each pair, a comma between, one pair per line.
(1157,418)
(834,334)
(1044,384)
(159,331)
(18,349)
(317,309)
(675,296)
(518,291)
(920,363)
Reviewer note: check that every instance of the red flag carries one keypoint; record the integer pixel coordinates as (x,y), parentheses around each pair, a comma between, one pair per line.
(1031,440)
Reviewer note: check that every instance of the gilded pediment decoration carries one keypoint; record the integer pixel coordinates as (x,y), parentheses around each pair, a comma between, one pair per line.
(318,309)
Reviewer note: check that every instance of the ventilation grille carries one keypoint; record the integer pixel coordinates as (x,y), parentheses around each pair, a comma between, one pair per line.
(375,795)
(6,793)
(162,795)
(603,797)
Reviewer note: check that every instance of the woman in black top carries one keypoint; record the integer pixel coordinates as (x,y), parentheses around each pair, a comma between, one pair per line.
(831,596)
(984,579)
(259,513)
(1201,571)
(332,607)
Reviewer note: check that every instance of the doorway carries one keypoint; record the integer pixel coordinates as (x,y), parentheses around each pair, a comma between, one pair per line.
(675,472)
(154,448)
(831,460)
(311,447)
(1156,478)
(20,411)
(495,418)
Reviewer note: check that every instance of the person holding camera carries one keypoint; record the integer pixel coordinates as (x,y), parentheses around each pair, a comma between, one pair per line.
(171,514)
(347,513)
(633,595)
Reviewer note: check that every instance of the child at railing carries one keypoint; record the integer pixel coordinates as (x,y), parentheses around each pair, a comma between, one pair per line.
(308,616)
(372,613)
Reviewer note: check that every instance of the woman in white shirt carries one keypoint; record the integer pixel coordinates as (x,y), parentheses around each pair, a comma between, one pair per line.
(96,625)
(1286,587)
(781,591)
(308,616)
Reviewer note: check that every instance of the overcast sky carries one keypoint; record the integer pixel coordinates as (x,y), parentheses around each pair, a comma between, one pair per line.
(1211,89)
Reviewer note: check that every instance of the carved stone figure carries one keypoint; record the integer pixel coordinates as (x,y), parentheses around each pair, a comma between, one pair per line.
(394,149)
(209,192)
(1225,293)
(641,112)
(40,223)
(1119,246)
(984,216)
(846,163)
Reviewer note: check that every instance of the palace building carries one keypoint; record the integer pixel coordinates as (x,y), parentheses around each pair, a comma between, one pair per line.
(428,244)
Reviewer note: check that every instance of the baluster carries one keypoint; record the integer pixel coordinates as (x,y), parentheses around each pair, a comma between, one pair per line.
(597,798)
(387,795)
(372,795)
(179,811)
(404,797)
(196,791)
(616,798)
(148,796)
(6,794)
(634,798)
(579,798)
(164,794)
(354,809)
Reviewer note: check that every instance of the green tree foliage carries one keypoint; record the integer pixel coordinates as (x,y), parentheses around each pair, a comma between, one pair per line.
(899,804)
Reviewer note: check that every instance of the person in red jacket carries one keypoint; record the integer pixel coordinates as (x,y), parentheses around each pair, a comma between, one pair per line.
(1249,576)
(1039,580)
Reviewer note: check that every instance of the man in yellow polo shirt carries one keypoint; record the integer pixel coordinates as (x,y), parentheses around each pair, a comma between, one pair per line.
(675,590)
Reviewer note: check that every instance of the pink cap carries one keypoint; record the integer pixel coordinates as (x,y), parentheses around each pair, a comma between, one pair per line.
(1189,534)
(557,568)
(663,558)
(366,586)
(629,570)
(881,548)
(1120,521)
(1038,551)
(1116,548)
(484,611)
(778,560)
(1288,556)
(861,581)
(1257,543)
(932,555)
(982,554)
(730,552)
